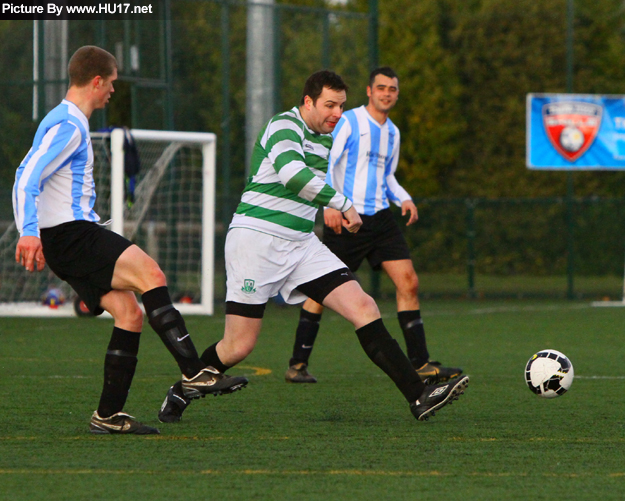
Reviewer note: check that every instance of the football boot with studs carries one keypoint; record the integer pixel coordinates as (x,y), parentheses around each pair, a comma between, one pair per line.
(298,373)
(209,381)
(174,405)
(435,397)
(119,423)
(434,372)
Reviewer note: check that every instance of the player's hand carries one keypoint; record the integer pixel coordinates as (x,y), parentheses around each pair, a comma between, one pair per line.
(351,220)
(29,253)
(409,205)
(333,219)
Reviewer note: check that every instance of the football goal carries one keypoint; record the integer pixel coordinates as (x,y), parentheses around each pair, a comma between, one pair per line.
(160,194)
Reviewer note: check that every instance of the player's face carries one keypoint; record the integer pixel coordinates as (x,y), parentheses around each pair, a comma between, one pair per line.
(104,89)
(383,94)
(327,110)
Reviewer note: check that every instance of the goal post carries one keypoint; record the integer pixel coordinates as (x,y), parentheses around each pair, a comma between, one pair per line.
(119,213)
(168,209)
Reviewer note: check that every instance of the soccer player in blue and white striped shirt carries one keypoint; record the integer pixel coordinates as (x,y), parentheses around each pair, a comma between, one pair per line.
(362,166)
(53,200)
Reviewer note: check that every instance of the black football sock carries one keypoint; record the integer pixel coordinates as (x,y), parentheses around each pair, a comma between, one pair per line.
(210,357)
(305,336)
(119,368)
(385,352)
(414,333)
(169,325)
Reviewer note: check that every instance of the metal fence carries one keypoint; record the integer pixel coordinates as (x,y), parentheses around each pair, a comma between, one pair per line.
(556,247)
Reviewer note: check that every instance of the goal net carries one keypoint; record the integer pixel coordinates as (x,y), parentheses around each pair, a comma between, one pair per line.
(167,208)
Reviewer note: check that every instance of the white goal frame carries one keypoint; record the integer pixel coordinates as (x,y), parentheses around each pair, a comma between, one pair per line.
(208,143)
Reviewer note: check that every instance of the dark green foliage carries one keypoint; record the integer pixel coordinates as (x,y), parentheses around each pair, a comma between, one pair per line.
(465,69)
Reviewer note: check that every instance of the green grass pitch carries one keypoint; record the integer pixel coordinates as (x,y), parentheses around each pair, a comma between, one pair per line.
(351,436)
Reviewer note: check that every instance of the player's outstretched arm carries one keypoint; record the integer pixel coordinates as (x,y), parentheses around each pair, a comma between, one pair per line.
(28,252)
(351,220)
(408,205)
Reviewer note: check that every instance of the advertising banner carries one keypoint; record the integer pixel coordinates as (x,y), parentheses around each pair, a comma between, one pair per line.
(575,131)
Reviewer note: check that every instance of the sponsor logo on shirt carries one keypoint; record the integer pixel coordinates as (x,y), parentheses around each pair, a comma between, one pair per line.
(377,155)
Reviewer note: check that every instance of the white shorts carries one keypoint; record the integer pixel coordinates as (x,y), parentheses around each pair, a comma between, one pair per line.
(259,266)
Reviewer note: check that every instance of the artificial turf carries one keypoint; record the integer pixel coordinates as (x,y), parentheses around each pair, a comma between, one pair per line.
(350,436)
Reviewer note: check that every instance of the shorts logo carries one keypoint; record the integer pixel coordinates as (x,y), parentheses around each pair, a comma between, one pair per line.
(572,126)
(248,286)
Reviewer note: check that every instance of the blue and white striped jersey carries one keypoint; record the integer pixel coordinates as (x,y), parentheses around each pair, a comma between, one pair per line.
(363,161)
(54,183)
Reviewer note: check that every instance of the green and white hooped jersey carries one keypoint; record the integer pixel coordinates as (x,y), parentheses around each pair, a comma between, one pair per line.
(287,180)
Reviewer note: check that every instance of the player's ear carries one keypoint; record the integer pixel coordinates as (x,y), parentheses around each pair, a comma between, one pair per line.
(368,91)
(308,102)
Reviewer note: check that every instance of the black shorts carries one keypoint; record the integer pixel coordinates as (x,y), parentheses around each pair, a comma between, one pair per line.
(84,254)
(379,239)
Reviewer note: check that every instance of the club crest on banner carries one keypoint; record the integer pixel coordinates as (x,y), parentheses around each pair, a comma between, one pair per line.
(572,126)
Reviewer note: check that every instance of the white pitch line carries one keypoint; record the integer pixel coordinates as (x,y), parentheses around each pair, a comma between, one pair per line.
(500,309)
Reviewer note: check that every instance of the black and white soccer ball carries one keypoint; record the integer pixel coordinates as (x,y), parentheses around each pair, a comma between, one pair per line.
(549,373)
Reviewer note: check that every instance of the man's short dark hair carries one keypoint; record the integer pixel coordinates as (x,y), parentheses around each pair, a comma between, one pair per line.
(89,62)
(317,81)
(387,71)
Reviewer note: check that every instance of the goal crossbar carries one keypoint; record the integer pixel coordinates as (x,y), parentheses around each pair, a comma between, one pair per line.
(198,220)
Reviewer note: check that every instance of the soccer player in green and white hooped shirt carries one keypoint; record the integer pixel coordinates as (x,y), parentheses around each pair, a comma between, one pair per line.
(271,249)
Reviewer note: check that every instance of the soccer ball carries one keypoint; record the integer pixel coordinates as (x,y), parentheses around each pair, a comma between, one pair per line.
(549,373)
(53,298)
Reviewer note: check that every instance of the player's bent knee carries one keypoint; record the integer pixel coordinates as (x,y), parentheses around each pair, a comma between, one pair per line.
(136,316)
(231,351)
(365,307)
(409,288)
(312,306)
(240,352)
(132,316)
(125,309)
(369,307)
(156,276)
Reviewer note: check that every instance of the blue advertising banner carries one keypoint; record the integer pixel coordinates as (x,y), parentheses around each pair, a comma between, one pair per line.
(575,131)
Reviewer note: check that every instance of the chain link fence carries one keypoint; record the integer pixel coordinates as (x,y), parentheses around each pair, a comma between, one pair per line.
(518,248)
